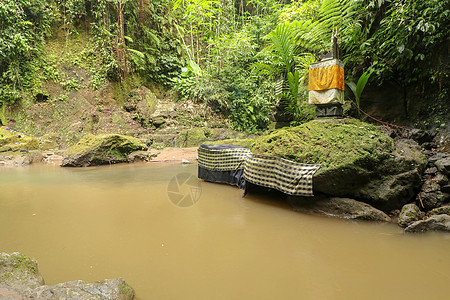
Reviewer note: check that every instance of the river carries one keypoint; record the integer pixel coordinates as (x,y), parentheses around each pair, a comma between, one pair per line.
(121,221)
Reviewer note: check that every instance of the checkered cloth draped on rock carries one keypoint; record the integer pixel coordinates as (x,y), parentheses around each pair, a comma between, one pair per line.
(224,158)
(284,175)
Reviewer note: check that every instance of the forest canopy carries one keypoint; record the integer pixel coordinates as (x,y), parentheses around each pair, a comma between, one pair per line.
(227,53)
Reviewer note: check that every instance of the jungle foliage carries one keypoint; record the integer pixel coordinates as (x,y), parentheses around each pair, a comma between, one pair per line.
(228,53)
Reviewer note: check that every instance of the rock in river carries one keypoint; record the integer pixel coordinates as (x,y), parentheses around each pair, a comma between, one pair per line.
(19,272)
(358,161)
(443,210)
(343,208)
(79,290)
(433,223)
(410,213)
(17,149)
(94,150)
(20,279)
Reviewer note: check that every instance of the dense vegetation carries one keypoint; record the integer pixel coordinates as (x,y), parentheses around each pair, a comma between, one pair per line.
(228,54)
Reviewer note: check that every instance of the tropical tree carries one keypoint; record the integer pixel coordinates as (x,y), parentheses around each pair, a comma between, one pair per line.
(23,26)
(121,48)
(280,53)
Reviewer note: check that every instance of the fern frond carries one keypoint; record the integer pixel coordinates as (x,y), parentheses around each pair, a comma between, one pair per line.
(315,36)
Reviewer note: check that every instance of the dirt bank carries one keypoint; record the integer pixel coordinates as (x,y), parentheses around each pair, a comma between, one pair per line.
(176,154)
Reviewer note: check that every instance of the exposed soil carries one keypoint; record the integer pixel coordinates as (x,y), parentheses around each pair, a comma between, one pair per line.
(176,154)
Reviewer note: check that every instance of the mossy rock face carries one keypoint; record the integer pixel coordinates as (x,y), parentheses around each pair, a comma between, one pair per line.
(328,143)
(94,150)
(16,141)
(433,223)
(443,210)
(410,213)
(18,271)
(49,141)
(191,138)
(145,106)
(20,279)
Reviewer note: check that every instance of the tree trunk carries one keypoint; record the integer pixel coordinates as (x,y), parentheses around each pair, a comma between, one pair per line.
(121,46)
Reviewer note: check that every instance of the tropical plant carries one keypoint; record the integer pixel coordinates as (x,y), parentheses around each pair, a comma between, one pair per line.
(401,41)
(358,88)
(281,49)
(313,35)
(198,18)
(23,27)
(291,99)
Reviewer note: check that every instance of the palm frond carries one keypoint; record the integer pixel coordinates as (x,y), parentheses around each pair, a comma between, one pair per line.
(281,50)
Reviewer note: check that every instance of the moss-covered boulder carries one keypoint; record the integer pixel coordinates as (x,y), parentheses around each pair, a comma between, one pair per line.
(19,272)
(358,161)
(94,150)
(191,138)
(433,223)
(443,210)
(330,143)
(409,214)
(11,140)
(17,149)
(20,279)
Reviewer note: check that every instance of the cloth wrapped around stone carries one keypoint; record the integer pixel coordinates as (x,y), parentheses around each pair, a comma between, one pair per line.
(281,174)
(326,82)
(222,157)
(222,163)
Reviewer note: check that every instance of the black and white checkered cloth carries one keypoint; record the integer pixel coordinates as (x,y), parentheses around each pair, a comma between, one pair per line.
(277,173)
(268,171)
(225,158)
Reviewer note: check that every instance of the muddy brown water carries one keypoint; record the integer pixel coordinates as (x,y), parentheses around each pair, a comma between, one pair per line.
(119,221)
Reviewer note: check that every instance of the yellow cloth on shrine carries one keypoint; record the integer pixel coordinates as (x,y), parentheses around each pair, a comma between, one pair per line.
(325,78)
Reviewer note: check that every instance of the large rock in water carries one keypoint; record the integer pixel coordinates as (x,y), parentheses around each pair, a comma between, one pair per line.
(15,141)
(94,150)
(20,279)
(433,223)
(343,208)
(19,272)
(17,149)
(358,161)
(410,213)
(80,290)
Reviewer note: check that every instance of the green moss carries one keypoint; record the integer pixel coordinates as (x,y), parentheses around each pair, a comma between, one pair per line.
(108,147)
(328,142)
(125,290)
(195,136)
(238,142)
(21,266)
(15,141)
(151,100)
